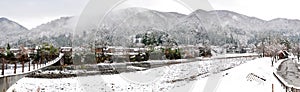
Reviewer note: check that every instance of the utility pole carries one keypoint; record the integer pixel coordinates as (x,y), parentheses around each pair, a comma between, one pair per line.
(298,53)
(263,40)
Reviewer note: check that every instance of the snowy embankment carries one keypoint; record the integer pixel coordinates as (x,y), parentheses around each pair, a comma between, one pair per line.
(287,72)
(222,56)
(10,71)
(158,63)
(184,76)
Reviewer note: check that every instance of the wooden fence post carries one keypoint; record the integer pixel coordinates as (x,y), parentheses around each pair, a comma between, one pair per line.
(15,68)
(29,65)
(272,87)
(22,65)
(3,62)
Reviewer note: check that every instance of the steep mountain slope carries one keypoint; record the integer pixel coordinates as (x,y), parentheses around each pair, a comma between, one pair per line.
(217,27)
(58,32)
(122,24)
(64,25)
(221,26)
(10,30)
(207,25)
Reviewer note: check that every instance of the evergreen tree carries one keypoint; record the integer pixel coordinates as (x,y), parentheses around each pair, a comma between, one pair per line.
(8,47)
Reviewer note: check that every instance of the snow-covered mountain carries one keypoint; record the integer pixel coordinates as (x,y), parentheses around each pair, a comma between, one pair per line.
(132,21)
(219,26)
(58,31)
(64,25)
(10,30)
(216,27)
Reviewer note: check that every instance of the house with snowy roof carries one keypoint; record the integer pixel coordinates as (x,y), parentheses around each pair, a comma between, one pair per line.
(282,54)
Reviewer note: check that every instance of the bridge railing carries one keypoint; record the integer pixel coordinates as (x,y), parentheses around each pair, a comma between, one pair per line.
(16,69)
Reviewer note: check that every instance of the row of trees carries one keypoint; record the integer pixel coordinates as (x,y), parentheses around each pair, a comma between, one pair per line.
(269,47)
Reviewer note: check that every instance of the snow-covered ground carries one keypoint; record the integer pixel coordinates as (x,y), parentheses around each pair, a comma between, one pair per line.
(254,76)
(214,75)
(193,76)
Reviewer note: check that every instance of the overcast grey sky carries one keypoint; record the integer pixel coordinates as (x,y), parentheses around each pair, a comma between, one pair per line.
(264,9)
(161,5)
(31,13)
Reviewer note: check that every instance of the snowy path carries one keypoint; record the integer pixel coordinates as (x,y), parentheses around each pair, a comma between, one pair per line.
(254,76)
(244,78)
(10,72)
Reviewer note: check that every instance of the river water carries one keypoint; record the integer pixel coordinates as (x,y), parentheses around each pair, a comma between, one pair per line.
(6,82)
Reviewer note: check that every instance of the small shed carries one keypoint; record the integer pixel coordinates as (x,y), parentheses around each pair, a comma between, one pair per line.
(65,49)
(282,54)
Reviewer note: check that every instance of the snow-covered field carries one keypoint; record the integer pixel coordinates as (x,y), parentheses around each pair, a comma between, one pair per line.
(244,78)
(193,76)
(214,75)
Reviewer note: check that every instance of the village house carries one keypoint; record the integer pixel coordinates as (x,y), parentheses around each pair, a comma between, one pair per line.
(282,54)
